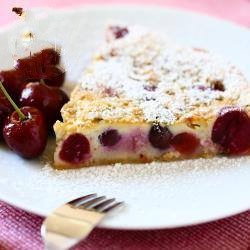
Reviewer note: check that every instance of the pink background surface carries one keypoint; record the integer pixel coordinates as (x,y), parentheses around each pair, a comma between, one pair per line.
(21,230)
(236,10)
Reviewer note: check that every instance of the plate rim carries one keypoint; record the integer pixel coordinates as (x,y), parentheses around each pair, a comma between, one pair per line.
(108,7)
(113,6)
(209,219)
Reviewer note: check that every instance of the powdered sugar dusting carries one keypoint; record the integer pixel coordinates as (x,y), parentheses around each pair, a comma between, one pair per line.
(156,170)
(181,77)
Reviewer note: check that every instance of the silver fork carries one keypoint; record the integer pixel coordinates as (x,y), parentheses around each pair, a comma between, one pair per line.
(73,221)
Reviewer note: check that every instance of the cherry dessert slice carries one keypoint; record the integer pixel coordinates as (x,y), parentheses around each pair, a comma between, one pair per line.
(231,130)
(75,149)
(185,143)
(159,137)
(109,137)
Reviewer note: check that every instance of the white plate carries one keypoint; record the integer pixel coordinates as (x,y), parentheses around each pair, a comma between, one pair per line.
(159,195)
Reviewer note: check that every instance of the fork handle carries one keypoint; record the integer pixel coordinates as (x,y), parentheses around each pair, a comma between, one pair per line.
(64,233)
(59,242)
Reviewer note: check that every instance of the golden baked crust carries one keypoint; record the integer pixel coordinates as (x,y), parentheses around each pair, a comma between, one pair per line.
(102,162)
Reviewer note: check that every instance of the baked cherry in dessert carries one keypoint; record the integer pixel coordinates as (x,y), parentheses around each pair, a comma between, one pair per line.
(231,130)
(109,137)
(25,130)
(75,149)
(185,143)
(118,31)
(159,136)
(48,100)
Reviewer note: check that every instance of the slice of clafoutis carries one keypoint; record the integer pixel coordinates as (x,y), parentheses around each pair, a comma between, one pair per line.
(146,99)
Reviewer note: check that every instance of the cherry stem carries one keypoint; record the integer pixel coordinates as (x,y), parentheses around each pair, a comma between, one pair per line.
(19,112)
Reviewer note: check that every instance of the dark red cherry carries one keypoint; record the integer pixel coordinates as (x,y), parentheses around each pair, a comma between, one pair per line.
(42,65)
(38,61)
(240,144)
(26,137)
(13,82)
(118,31)
(49,56)
(231,130)
(30,68)
(159,137)
(2,118)
(5,109)
(47,99)
(109,137)
(185,143)
(5,106)
(53,76)
(33,72)
(75,149)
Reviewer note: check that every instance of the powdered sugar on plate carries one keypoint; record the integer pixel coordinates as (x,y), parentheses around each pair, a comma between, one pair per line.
(111,180)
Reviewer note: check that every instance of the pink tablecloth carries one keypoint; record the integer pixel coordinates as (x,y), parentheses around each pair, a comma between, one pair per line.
(20,230)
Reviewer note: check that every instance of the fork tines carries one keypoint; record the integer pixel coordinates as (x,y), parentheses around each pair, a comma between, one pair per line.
(95,203)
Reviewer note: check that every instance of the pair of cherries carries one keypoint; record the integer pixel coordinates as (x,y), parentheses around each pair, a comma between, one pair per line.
(160,137)
(35,85)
